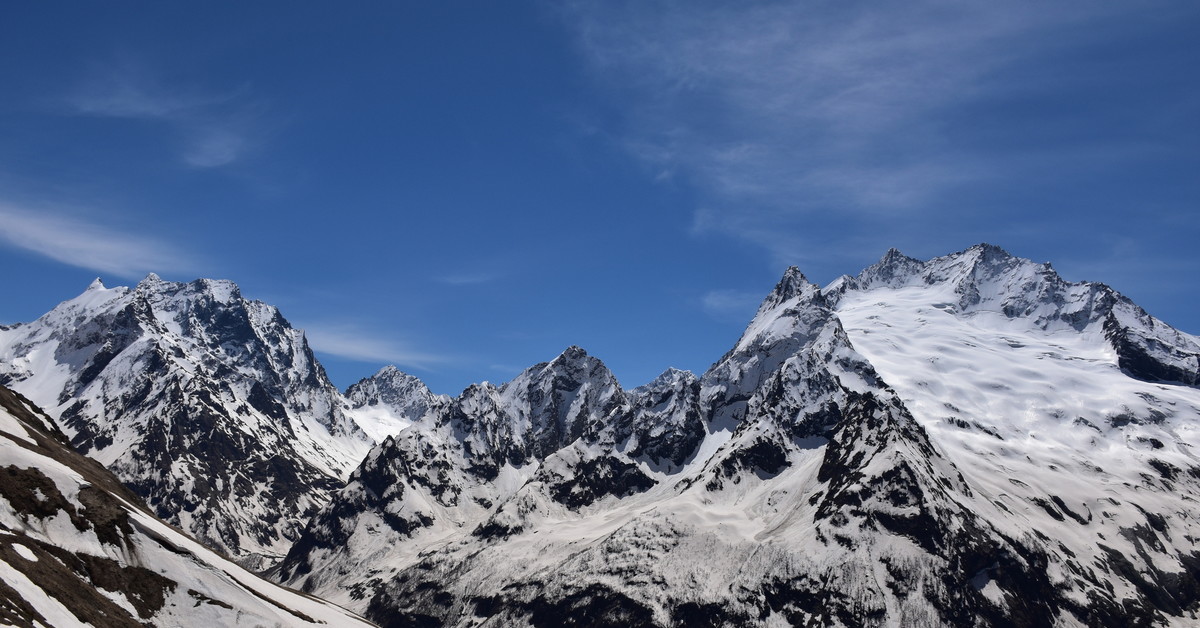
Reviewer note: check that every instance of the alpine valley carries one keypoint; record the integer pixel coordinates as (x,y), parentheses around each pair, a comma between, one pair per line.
(965,441)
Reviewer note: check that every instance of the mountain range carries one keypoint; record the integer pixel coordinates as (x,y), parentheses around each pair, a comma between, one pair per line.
(209,406)
(967,440)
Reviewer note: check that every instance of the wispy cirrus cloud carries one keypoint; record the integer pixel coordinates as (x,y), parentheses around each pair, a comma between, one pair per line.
(781,111)
(355,342)
(469,278)
(84,243)
(734,305)
(212,128)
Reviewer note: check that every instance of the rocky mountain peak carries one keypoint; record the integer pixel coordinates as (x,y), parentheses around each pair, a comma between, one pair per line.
(790,285)
(389,386)
(570,370)
(791,313)
(572,383)
(542,409)
(670,378)
(989,250)
(389,401)
(892,269)
(571,355)
(793,285)
(172,295)
(169,383)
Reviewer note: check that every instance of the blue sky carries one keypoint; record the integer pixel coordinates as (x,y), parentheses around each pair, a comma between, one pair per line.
(466,188)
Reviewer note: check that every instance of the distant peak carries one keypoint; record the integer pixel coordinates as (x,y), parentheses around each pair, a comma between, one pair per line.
(573,353)
(393,373)
(990,251)
(670,376)
(220,290)
(483,388)
(152,283)
(791,285)
(389,386)
(893,269)
(96,284)
(988,259)
(574,360)
(893,257)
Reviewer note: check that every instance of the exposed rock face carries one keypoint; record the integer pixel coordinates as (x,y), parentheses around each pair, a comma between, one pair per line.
(969,440)
(388,402)
(78,548)
(209,406)
(665,423)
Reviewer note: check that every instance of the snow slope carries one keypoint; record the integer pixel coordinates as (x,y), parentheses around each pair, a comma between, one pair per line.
(77,548)
(1033,406)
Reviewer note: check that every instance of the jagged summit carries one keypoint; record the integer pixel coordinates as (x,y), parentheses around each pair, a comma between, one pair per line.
(670,377)
(893,267)
(976,263)
(389,386)
(793,285)
(388,402)
(554,403)
(571,355)
(991,250)
(790,314)
(196,398)
(572,368)
(201,290)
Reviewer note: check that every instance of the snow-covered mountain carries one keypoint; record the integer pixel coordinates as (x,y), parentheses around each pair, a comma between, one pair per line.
(969,440)
(388,401)
(77,548)
(208,405)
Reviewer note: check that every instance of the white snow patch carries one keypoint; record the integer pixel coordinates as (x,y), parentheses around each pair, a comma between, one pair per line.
(25,552)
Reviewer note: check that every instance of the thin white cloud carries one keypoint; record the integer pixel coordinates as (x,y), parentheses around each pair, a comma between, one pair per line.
(214,146)
(86,244)
(469,278)
(212,129)
(354,342)
(784,109)
(736,305)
